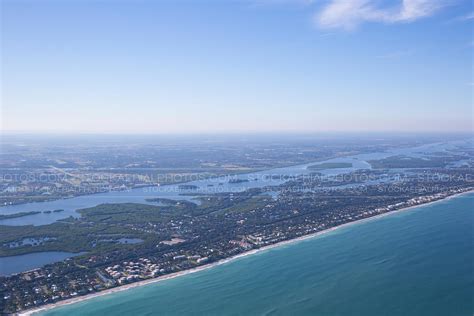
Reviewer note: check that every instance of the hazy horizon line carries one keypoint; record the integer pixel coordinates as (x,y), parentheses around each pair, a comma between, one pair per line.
(232,132)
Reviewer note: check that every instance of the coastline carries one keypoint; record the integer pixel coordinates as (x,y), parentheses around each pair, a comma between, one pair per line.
(226,260)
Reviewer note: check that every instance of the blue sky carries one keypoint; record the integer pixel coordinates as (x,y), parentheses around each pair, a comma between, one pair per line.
(237,66)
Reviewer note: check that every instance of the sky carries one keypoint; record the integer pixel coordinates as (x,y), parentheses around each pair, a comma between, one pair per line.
(137,66)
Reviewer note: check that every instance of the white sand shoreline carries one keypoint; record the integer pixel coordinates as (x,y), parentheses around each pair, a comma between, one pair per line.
(223,261)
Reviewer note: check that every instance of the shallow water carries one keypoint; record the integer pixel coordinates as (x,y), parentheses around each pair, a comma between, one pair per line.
(15,264)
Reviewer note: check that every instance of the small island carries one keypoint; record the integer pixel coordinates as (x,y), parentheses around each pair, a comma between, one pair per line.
(16,215)
(54,211)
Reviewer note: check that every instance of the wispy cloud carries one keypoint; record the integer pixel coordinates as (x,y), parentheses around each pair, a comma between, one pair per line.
(466,17)
(349,14)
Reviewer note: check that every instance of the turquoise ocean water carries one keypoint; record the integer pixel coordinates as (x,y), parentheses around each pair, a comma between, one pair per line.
(419,262)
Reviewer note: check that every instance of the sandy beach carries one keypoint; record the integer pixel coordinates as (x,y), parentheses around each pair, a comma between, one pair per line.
(223,261)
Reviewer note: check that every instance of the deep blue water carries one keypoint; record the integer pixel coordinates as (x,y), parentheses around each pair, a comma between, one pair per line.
(418,262)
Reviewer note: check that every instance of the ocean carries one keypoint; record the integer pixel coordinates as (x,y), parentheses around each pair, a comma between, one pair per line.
(417,262)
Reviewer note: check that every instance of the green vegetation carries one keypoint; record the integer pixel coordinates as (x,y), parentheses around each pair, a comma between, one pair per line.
(247,205)
(125,213)
(164,201)
(409,162)
(125,220)
(70,236)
